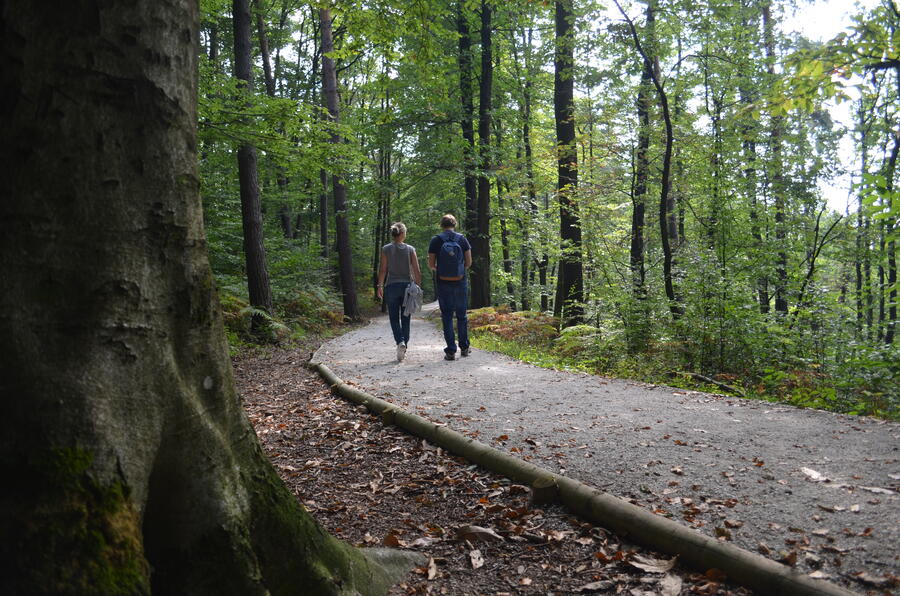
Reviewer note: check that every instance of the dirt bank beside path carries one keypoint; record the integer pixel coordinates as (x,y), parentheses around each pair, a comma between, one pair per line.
(808,485)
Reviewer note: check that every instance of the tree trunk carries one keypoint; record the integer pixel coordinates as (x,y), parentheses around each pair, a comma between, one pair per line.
(675,306)
(570,281)
(264,49)
(480,272)
(776,174)
(531,218)
(639,323)
(323,213)
(863,312)
(285,213)
(342,226)
(504,246)
(251,215)
(135,468)
(890,171)
(468,113)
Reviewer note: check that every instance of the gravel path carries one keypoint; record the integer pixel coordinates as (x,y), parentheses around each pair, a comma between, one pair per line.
(780,480)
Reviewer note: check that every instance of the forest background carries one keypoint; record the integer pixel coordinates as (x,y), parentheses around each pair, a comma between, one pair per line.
(640,183)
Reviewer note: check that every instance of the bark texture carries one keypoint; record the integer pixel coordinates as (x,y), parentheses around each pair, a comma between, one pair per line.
(339,190)
(135,467)
(259,290)
(480,272)
(570,280)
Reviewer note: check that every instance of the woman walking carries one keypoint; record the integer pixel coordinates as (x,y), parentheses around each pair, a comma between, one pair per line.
(399,267)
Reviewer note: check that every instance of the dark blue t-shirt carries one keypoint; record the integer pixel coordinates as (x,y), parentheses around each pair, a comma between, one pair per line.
(437,241)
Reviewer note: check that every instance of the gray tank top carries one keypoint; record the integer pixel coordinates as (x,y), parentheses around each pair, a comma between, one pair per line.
(398,269)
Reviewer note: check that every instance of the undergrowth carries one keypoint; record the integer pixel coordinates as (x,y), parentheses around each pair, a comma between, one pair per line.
(306,316)
(535,338)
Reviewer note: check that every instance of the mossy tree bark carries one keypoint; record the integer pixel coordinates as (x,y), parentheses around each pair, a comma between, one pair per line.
(129,463)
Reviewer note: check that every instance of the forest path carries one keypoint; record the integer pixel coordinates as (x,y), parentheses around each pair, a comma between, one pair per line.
(726,466)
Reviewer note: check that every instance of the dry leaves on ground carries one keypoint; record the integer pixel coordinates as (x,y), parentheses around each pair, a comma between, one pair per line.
(372,486)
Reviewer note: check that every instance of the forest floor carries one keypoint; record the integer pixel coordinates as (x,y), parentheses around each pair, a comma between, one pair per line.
(814,489)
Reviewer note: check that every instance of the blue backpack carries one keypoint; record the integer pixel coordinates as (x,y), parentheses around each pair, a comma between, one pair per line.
(450,262)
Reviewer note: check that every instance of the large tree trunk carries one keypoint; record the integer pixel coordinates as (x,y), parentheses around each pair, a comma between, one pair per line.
(570,280)
(468,112)
(133,466)
(339,190)
(258,287)
(480,272)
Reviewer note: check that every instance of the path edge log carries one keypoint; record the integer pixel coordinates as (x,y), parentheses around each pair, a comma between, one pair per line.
(638,524)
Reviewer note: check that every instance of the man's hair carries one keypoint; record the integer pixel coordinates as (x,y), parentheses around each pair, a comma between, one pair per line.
(448,221)
(398,229)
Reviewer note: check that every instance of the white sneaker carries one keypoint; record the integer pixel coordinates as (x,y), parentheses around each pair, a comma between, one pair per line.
(401,351)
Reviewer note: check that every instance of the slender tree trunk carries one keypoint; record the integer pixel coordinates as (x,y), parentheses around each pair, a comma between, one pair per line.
(136,469)
(480,272)
(323,213)
(638,325)
(468,114)
(862,225)
(504,247)
(544,266)
(214,44)
(675,306)
(776,173)
(528,250)
(570,280)
(251,215)
(342,226)
(383,216)
(264,48)
(285,213)
(890,171)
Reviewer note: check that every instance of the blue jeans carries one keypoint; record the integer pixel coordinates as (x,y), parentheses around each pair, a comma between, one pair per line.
(393,299)
(453,298)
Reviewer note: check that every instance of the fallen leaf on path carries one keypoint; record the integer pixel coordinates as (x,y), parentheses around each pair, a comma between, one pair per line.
(432,568)
(789,559)
(476,559)
(652,565)
(600,586)
(871,580)
(814,476)
(880,491)
(670,585)
(475,533)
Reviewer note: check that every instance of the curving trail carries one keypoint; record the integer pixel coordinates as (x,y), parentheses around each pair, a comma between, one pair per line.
(764,476)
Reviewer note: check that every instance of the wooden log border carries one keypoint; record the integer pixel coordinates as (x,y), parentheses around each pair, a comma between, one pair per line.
(639,525)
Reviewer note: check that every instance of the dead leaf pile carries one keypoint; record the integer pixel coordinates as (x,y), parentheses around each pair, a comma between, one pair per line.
(371,486)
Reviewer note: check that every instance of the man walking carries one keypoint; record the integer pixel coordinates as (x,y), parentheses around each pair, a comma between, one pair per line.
(449,255)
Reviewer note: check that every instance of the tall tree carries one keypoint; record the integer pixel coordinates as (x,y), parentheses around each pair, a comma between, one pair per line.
(284,209)
(570,279)
(464,60)
(339,189)
(776,171)
(639,324)
(480,272)
(136,469)
(260,292)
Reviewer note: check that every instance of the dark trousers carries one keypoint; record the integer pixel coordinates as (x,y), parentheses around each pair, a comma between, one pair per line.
(453,298)
(393,299)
